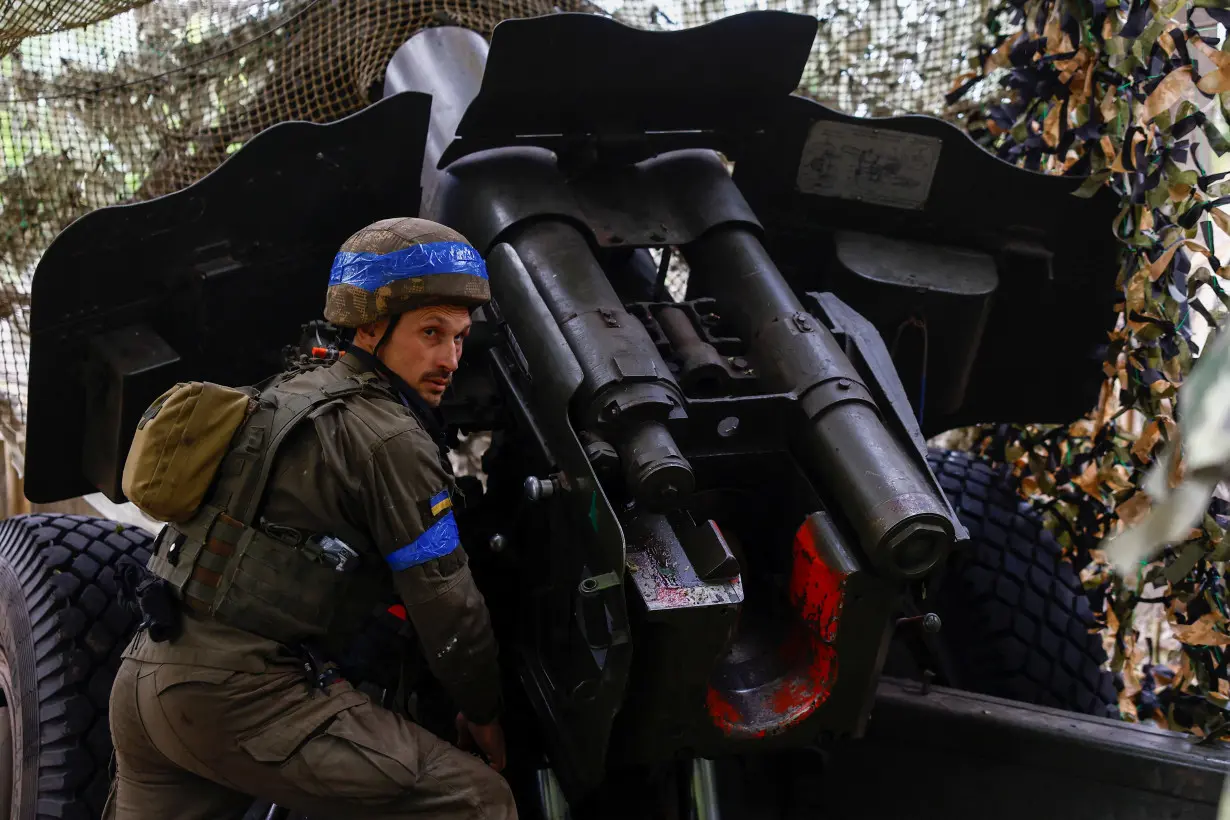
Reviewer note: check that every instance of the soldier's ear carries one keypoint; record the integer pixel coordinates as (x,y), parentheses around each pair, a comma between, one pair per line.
(366,336)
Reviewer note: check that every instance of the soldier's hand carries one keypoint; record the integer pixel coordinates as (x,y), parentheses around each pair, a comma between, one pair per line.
(488,737)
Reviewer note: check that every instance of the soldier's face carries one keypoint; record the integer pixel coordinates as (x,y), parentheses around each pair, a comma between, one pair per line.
(424,349)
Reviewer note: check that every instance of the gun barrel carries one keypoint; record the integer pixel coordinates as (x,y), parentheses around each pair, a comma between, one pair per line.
(901,523)
(628,390)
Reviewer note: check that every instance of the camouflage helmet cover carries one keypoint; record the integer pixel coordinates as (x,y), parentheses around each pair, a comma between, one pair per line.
(396,265)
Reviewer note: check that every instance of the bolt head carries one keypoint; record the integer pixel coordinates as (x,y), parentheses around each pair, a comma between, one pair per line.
(601,454)
(532,488)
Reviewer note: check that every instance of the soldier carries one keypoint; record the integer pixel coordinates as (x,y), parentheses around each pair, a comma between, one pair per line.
(361,487)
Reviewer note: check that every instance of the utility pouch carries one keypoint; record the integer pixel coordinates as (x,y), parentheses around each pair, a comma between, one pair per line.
(179,444)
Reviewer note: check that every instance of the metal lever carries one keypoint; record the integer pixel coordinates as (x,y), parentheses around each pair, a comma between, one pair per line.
(930,622)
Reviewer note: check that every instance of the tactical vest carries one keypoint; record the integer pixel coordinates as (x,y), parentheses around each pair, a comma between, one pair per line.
(224,565)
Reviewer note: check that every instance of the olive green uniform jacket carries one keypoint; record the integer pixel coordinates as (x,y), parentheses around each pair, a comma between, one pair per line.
(364,469)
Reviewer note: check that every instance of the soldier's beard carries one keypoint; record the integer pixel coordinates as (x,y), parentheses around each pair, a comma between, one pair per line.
(431,386)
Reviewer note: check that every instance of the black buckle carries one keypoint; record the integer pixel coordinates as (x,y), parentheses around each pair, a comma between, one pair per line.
(172,552)
(152,599)
(320,673)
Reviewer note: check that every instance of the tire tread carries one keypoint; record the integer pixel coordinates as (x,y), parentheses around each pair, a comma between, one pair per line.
(1026,628)
(77,625)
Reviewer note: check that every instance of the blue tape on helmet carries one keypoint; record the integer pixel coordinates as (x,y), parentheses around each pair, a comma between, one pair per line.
(371,271)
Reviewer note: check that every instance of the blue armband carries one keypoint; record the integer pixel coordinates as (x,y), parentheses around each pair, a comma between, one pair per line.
(437,541)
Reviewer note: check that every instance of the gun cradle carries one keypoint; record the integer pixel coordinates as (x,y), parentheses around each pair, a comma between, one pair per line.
(766,511)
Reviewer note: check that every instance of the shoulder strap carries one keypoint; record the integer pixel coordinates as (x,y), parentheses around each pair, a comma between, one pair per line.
(262,436)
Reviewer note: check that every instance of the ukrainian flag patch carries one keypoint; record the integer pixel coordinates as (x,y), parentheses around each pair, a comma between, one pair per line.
(436,507)
(439,503)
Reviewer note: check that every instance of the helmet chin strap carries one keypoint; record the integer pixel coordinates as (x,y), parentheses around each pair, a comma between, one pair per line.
(373,360)
(388,332)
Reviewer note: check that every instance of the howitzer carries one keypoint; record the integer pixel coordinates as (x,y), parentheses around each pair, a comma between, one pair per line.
(738,490)
(705,512)
(669,467)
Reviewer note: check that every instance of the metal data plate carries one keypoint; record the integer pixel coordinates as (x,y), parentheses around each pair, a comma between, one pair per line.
(874,165)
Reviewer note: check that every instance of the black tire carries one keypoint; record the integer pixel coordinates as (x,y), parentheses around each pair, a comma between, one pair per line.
(1016,622)
(63,631)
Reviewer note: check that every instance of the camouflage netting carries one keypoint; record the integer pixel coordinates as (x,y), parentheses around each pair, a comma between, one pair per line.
(1137,97)
(112,101)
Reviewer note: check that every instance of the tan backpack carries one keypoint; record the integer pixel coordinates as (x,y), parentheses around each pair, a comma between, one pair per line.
(179,444)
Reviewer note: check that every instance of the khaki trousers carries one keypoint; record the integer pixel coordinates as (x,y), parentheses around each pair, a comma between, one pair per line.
(193,742)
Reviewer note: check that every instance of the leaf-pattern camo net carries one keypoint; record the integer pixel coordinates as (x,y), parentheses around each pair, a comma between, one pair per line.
(1134,95)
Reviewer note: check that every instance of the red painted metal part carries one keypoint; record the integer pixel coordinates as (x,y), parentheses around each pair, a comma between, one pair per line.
(816,589)
(808,654)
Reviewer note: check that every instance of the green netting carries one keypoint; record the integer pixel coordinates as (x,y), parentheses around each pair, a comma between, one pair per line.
(110,101)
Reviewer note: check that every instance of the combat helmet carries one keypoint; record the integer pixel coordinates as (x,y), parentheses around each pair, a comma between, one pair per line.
(401,264)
